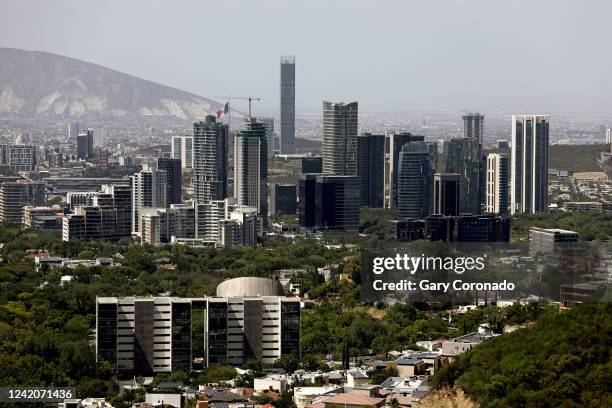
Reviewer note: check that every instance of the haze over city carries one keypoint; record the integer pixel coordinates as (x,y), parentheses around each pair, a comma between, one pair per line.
(305,204)
(540,56)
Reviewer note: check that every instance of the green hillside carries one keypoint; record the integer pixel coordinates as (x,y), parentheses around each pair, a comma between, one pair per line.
(562,361)
(576,158)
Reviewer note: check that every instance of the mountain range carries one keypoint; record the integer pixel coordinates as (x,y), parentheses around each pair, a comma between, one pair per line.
(40,84)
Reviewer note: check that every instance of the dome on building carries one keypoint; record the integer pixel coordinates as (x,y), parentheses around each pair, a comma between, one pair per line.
(250,286)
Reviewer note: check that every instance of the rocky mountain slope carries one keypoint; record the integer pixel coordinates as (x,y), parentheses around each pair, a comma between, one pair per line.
(41,84)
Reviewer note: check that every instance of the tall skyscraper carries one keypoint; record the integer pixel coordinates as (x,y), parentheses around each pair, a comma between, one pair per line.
(497,184)
(209,160)
(462,156)
(473,126)
(446,193)
(182,149)
(251,167)
(287,104)
(608,135)
(529,164)
(414,180)
(395,142)
(82,143)
(148,191)
(74,130)
(371,169)
(99,137)
(340,138)
(90,142)
(174,182)
(269,124)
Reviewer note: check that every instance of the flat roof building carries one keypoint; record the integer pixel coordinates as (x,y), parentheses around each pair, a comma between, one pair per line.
(152,335)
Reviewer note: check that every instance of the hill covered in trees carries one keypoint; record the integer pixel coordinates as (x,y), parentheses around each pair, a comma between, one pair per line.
(576,158)
(562,361)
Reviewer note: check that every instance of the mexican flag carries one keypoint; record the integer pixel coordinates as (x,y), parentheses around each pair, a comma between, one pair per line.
(223,111)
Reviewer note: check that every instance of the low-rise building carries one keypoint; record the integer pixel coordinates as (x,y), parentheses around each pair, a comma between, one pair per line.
(274,382)
(458,345)
(548,240)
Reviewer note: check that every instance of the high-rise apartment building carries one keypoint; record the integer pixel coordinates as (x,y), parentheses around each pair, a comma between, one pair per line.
(446,193)
(340,138)
(148,191)
(210,160)
(287,104)
(473,126)
(529,164)
(371,169)
(174,181)
(497,184)
(181,148)
(395,142)
(251,167)
(414,179)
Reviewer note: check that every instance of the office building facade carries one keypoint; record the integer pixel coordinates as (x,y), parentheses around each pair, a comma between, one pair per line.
(371,169)
(82,146)
(497,184)
(19,157)
(340,123)
(529,164)
(312,165)
(414,180)
(467,228)
(337,202)
(307,203)
(462,156)
(446,193)
(283,198)
(549,240)
(210,160)
(394,143)
(147,336)
(287,104)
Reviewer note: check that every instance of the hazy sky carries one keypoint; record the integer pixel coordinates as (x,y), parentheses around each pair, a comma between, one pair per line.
(511,55)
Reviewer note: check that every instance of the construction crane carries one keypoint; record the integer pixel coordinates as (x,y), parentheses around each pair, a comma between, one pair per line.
(247,98)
